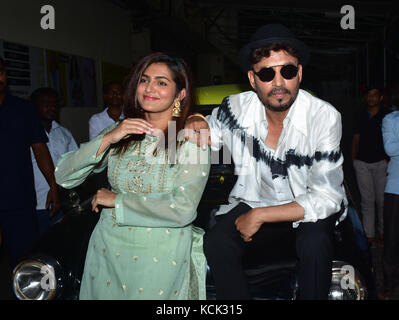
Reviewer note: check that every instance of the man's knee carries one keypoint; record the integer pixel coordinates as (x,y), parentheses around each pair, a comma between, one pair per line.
(315,243)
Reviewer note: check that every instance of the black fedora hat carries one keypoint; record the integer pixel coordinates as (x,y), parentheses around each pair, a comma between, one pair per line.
(269,34)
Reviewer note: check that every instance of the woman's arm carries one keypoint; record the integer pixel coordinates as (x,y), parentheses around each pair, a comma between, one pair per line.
(175,208)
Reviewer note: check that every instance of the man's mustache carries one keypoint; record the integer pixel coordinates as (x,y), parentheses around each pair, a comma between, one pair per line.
(278,89)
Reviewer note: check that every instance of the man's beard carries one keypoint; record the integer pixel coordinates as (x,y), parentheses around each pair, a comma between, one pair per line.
(281,107)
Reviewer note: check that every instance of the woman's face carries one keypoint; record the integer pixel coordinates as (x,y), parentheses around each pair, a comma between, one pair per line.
(156,92)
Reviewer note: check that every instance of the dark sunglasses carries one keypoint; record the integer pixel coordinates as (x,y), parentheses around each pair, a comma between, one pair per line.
(288,71)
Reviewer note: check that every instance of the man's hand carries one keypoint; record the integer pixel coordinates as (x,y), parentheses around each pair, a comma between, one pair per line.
(53,198)
(103,197)
(248,224)
(197,131)
(46,166)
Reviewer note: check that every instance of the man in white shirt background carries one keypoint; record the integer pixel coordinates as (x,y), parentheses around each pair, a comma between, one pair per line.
(285,144)
(60,141)
(113,112)
(113,99)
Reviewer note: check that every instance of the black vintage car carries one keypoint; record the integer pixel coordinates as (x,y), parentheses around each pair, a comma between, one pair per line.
(53,268)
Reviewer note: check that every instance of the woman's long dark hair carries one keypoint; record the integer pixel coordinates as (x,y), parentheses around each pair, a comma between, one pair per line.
(131,107)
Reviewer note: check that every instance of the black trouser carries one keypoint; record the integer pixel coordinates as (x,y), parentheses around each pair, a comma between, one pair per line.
(390,256)
(20,231)
(225,249)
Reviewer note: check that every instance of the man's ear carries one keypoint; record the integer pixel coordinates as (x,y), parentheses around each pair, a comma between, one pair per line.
(251,78)
(300,72)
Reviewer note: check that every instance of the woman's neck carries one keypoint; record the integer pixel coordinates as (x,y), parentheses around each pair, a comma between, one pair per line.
(159,122)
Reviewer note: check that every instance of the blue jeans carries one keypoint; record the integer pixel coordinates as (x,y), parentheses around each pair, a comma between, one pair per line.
(45,221)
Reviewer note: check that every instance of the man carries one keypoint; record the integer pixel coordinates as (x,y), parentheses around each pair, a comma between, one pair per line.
(370,162)
(285,144)
(60,141)
(112,113)
(20,130)
(113,98)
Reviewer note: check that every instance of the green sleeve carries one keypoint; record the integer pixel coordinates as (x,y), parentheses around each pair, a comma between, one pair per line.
(176,208)
(75,166)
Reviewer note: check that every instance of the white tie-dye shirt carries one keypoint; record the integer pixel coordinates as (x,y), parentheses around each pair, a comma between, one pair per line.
(305,167)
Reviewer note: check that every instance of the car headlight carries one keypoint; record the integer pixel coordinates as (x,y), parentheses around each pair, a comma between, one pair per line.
(346,283)
(37,279)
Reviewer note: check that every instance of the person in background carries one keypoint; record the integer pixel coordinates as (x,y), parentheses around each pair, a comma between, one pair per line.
(20,130)
(98,122)
(60,141)
(387,100)
(390,257)
(370,163)
(144,245)
(112,113)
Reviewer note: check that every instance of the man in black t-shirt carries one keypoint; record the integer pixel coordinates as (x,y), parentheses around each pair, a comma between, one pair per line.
(370,162)
(20,129)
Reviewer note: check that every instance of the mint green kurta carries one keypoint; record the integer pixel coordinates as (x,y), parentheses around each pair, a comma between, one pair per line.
(145,247)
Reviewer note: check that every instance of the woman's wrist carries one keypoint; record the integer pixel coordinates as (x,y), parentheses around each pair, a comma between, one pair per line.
(105,143)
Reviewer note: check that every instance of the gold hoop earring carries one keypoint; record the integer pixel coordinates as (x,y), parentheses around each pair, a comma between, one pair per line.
(176,112)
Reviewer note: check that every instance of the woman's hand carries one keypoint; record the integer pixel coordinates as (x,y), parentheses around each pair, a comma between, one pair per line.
(124,130)
(103,197)
(128,127)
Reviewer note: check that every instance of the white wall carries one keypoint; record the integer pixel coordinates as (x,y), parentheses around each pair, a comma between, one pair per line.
(91,28)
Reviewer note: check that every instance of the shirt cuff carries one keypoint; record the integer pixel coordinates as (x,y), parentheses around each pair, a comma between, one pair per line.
(119,217)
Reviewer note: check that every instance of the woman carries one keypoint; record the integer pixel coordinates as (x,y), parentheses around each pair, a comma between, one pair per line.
(144,245)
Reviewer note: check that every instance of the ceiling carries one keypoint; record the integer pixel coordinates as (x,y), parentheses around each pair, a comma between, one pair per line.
(231,22)
(316,22)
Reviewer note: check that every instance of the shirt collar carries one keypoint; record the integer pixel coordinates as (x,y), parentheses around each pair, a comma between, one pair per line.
(258,113)
(105,113)
(296,115)
(54,125)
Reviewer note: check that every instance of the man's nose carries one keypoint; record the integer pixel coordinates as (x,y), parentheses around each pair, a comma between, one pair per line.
(278,80)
